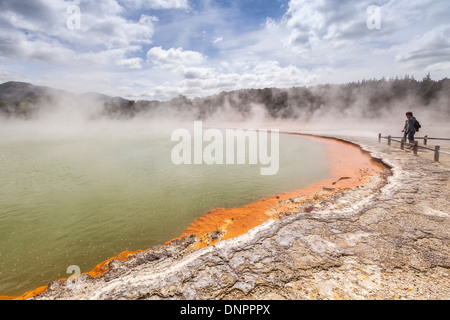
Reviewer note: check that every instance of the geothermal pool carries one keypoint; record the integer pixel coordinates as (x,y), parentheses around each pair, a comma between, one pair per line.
(79,197)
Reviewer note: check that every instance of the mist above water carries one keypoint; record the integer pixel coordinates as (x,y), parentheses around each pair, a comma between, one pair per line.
(361,109)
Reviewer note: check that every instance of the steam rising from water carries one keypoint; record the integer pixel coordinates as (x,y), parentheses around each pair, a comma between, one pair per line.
(364,109)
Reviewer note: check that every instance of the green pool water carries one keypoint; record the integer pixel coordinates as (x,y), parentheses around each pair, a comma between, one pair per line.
(81,196)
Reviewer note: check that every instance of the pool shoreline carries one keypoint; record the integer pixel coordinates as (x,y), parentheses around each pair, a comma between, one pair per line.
(223,224)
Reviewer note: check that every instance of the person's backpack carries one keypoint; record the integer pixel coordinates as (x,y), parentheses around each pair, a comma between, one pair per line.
(417,125)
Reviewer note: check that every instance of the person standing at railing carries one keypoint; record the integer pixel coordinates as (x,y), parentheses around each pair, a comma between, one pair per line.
(410,128)
(405,134)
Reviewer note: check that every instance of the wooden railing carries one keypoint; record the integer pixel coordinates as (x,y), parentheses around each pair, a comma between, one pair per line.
(415,146)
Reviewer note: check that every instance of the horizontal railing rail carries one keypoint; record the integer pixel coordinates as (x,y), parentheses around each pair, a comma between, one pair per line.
(415,146)
(425,139)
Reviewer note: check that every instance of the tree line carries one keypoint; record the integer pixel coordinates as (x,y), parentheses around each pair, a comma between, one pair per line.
(371,98)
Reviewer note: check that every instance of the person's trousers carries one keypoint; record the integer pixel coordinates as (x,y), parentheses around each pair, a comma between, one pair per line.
(411,136)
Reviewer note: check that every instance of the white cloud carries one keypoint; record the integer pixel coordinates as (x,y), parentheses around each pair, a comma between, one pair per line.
(313,42)
(199,81)
(425,53)
(217,40)
(195,73)
(132,63)
(432,47)
(174,57)
(105,36)
(156,4)
(312,24)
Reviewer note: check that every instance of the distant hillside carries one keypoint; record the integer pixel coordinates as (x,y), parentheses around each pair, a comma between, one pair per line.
(24,100)
(13,92)
(363,99)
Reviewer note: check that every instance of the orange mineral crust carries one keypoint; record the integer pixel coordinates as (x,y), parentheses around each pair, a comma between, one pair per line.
(349,167)
(99,270)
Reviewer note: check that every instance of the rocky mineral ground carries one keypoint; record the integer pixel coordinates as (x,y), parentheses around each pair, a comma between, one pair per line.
(388,239)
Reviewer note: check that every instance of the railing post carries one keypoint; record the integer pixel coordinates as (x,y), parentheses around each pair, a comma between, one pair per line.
(379,137)
(425,140)
(389,140)
(402,144)
(416,145)
(436,153)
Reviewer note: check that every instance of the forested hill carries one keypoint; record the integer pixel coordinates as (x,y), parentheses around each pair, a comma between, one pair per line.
(24,100)
(367,98)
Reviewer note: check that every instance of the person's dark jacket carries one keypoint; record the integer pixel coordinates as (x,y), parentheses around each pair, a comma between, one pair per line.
(411,127)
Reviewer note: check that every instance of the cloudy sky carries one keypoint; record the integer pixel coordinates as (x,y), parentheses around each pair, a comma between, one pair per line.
(159,49)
